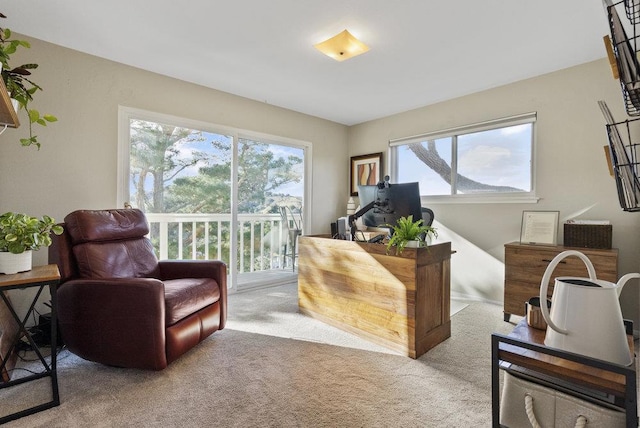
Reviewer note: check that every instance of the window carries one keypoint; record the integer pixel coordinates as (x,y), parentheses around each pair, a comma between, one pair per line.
(211,192)
(480,162)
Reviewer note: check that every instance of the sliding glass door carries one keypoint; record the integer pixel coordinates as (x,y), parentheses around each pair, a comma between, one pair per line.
(270,176)
(212,194)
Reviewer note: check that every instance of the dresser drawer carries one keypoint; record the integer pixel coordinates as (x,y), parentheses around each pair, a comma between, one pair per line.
(521,292)
(525,265)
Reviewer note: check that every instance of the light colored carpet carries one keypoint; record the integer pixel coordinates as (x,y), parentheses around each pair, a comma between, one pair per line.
(274,367)
(283,319)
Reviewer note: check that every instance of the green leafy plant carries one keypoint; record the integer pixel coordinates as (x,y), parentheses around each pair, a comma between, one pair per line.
(406,230)
(20,87)
(20,232)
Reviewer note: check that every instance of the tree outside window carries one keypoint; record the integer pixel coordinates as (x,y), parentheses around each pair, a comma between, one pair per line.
(497,160)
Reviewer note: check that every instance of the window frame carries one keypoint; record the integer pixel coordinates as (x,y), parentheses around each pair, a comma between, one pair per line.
(125,114)
(453,133)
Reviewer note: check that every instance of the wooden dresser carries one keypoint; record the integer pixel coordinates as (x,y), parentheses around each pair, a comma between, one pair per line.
(525,264)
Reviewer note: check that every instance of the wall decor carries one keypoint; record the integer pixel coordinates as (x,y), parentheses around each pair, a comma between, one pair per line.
(539,227)
(365,170)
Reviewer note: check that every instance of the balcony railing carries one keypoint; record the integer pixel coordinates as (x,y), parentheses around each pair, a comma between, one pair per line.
(262,239)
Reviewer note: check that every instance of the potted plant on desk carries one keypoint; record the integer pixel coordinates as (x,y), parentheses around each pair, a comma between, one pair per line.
(409,233)
(20,234)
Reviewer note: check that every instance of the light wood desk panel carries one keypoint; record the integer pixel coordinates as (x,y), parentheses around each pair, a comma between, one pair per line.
(400,302)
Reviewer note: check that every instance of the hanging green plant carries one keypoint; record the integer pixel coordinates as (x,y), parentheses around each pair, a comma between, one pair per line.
(20,87)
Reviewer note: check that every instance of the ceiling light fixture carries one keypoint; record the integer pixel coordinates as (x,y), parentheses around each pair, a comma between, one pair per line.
(342,46)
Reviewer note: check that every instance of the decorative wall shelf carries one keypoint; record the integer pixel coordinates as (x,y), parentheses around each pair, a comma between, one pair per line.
(8,115)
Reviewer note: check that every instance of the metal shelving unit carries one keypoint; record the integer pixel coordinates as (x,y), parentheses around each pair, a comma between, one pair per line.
(625,159)
(599,382)
(625,35)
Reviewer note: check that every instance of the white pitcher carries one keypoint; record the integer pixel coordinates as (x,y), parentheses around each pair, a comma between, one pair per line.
(585,314)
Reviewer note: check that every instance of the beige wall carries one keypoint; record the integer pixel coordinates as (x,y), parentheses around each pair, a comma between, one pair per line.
(76,167)
(572,175)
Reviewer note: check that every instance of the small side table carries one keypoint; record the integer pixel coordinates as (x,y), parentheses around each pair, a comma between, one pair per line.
(523,351)
(39,276)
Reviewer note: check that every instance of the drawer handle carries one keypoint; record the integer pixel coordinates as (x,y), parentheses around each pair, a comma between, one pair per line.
(581,421)
(549,261)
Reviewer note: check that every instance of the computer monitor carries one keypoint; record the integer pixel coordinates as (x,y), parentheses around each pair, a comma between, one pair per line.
(392,201)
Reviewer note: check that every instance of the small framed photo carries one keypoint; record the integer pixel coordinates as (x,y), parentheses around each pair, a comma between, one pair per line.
(539,227)
(365,170)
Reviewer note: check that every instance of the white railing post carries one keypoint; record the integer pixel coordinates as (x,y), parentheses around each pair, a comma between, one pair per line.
(219,245)
(261,245)
(206,240)
(194,241)
(241,245)
(164,240)
(272,245)
(251,247)
(180,244)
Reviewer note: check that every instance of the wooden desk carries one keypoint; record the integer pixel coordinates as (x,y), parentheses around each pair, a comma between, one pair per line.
(524,349)
(400,302)
(39,276)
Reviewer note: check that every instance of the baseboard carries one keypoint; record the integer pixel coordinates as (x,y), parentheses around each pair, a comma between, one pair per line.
(472,298)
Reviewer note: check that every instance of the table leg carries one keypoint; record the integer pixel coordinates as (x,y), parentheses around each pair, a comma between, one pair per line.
(53,290)
(50,369)
(495,383)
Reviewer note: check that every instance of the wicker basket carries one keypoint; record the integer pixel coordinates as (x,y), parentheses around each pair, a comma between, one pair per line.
(588,235)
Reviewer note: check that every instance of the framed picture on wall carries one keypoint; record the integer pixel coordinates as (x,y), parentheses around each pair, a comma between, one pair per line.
(365,170)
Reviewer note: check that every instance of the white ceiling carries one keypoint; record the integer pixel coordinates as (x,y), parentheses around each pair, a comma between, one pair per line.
(422,51)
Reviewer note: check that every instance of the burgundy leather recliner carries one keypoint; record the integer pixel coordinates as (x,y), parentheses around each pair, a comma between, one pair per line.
(118,305)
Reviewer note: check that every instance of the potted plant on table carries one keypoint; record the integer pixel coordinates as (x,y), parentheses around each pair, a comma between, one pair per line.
(20,234)
(20,87)
(409,233)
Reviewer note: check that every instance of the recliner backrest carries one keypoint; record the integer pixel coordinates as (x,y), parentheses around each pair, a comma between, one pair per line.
(111,244)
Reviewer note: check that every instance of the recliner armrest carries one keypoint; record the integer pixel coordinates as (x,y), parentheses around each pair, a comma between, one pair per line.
(118,321)
(216,269)
(136,294)
(176,269)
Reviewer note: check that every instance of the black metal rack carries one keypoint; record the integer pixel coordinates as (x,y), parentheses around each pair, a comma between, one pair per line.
(540,357)
(632,9)
(624,38)
(625,167)
(40,277)
(625,161)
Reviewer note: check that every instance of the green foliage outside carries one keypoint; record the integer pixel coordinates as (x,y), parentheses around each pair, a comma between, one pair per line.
(160,184)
